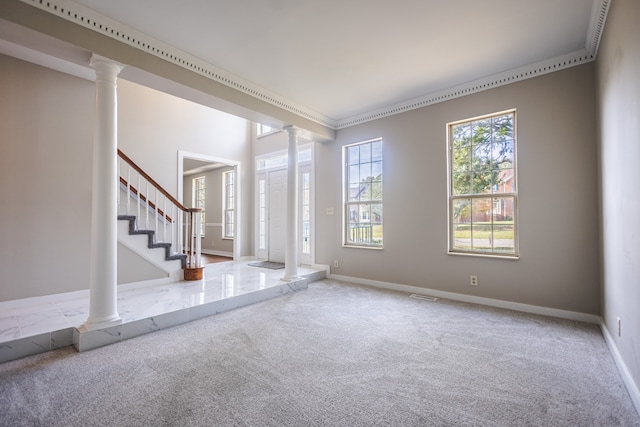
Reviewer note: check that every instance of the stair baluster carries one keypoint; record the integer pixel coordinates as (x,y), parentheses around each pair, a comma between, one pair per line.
(182,221)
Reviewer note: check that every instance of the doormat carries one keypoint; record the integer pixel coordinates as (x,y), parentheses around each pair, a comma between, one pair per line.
(267,264)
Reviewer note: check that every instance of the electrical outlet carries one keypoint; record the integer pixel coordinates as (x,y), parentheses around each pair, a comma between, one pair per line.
(336,264)
(473,280)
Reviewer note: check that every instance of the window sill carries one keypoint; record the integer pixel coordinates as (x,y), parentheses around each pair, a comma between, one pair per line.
(377,248)
(486,255)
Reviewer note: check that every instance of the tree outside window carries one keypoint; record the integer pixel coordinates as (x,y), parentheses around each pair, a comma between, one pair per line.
(363,194)
(229,203)
(482,185)
(199,199)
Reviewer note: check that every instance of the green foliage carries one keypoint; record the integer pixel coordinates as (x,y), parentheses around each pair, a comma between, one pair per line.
(481,153)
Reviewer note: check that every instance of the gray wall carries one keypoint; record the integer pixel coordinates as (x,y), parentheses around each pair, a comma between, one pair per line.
(558,198)
(133,268)
(46,137)
(618,67)
(46,128)
(154,126)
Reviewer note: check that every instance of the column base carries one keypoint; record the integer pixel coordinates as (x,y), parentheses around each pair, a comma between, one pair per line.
(84,340)
(95,324)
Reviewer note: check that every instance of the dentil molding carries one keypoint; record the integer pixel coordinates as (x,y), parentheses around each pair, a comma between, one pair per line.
(88,18)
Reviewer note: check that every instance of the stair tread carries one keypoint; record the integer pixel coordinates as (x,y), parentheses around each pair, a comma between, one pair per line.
(151,244)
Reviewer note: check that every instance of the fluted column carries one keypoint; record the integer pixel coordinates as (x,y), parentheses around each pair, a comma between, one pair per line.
(103,307)
(291,253)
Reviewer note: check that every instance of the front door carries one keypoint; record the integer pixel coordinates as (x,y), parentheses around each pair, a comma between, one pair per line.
(277,212)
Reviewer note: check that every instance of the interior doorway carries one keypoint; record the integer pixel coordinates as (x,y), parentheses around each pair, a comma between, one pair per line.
(213,184)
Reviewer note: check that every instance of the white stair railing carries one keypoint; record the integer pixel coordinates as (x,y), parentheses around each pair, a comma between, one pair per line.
(157,210)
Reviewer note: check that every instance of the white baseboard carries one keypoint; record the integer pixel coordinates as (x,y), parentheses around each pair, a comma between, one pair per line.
(148,283)
(526,308)
(324,267)
(5,306)
(218,253)
(632,387)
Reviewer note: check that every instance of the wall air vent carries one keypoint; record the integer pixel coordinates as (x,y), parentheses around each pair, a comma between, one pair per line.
(423,297)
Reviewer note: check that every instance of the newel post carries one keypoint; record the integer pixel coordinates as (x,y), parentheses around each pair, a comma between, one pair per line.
(194,269)
(103,308)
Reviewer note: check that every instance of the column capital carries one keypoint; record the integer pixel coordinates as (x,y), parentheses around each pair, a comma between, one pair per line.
(101,63)
(296,131)
(292,130)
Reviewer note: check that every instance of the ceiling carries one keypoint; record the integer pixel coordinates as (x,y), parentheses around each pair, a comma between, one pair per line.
(341,62)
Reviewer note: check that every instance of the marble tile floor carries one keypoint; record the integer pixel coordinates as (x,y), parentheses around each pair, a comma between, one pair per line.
(34,325)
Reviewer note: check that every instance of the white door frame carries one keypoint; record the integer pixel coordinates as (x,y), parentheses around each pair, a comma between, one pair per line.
(303,166)
(238,189)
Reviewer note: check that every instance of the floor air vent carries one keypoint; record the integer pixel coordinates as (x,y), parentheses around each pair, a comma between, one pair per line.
(423,297)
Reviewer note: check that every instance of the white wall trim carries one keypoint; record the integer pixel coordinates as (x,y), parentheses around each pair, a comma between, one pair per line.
(238,209)
(147,283)
(632,387)
(99,23)
(518,74)
(219,253)
(599,11)
(104,25)
(525,308)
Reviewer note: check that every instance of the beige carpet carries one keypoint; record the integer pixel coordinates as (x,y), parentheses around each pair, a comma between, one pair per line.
(334,355)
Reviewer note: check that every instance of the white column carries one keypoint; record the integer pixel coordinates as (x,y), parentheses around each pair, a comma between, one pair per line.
(103,307)
(291,253)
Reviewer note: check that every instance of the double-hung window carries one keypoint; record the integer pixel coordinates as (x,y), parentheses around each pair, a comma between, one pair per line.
(483,194)
(199,199)
(229,203)
(363,194)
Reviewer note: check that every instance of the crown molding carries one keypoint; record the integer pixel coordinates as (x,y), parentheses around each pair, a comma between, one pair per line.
(88,18)
(496,80)
(599,12)
(97,22)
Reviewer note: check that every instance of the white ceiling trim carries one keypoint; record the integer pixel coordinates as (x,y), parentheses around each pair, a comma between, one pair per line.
(496,80)
(88,18)
(101,24)
(599,12)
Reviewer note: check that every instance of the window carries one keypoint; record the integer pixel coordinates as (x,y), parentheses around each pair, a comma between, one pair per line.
(198,199)
(262,214)
(280,160)
(363,194)
(229,203)
(306,212)
(265,130)
(482,185)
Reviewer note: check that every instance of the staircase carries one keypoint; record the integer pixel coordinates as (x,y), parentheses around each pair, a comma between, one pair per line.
(150,218)
(151,241)
(155,260)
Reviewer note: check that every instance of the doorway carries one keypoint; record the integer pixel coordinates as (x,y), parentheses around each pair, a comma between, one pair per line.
(271,206)
(277,214)
(213,184)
